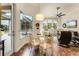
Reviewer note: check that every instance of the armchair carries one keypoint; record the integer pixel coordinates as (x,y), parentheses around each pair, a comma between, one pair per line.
(65,38)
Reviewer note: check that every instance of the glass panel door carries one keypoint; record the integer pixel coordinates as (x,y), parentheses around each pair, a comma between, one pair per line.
(0,30)
(6,27)
(49,25)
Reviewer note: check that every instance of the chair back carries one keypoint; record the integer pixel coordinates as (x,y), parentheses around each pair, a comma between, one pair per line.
(65,37)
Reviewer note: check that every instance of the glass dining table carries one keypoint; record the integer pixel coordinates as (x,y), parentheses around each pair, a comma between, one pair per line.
(45,47)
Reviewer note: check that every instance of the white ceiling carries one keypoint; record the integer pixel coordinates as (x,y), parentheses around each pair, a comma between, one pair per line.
(54,4)
(64,6)
(49,9)
(68,6)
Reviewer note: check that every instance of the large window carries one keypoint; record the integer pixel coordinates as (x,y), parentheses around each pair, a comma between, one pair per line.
(70,24)
(26,24)
(49,24)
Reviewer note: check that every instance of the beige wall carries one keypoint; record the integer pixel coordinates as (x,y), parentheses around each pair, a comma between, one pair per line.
(29,10)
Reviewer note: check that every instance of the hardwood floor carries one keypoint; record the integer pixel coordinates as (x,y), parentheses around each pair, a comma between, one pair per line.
(56,50)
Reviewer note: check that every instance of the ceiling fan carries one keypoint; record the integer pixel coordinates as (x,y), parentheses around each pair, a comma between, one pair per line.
(59,14)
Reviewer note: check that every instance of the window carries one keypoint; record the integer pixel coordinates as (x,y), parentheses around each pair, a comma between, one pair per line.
(70,24)
(25,24)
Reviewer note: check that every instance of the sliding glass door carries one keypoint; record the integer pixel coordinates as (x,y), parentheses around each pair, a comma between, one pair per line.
(6,27)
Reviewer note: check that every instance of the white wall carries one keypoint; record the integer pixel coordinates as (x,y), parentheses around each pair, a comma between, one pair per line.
(72,15)
(27,9)
(47,10)
(71,11)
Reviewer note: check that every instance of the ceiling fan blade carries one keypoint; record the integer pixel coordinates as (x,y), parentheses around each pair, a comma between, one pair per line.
(60,13)
(63,14)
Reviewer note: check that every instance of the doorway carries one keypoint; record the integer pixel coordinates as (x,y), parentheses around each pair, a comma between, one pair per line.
(6,28)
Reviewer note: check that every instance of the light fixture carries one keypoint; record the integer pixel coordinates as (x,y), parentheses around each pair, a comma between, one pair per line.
(39,17)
